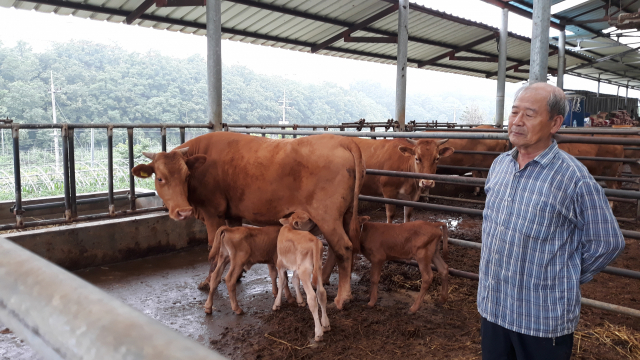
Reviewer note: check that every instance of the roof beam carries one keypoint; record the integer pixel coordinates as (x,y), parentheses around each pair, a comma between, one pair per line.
(590,11)
(135,14)
(359,26)
(520,11)
(591,63)
(520,63)
(458,49)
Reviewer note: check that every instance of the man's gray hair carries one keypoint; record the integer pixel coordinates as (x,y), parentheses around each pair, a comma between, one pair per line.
(556,105)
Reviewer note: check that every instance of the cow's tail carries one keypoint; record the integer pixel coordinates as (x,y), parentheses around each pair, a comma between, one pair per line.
(445,241)
(217,243)
(360,172)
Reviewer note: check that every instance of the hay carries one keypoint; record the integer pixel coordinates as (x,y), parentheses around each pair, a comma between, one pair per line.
(624,341)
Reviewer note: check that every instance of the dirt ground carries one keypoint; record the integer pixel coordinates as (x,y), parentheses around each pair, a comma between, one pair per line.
(164,288)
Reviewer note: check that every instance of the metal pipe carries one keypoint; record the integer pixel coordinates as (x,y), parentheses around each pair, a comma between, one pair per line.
(112,208)
(214,63)
(540,41)
(63,317)
(480,202)
(85,218)
(448,179)
(401,62)
(588,158)
(561,58)
(53,205)
(65,172)
(163,134)
(72,174)
(182,141)
(502,67)
(425,206)
(598,93)
(453,272)
(15,133)
(105,126)
(630,234)
(626,96)
(610,307)
(132,182)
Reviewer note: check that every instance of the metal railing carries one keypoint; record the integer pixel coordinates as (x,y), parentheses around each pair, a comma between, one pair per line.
(69,172)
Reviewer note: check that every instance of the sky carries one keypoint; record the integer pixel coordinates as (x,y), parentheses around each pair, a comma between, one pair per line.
(41,30)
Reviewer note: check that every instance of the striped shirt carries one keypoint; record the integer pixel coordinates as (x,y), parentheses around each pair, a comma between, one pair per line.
(546,229)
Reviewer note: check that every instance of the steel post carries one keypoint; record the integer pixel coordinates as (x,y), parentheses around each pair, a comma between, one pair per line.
(163,134)
(15,133)
(182,136)
(540,41)
(502,67)
(112,208)
(132,182)
(72,174)
(214,63)
(561,58)
(598,93)
(626,96)
(65,172)
(401,74)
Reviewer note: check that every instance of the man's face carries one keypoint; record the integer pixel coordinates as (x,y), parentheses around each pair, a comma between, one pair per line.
(529,124)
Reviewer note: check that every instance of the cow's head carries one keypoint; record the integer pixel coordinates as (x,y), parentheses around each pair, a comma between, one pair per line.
(172,170)
(426,153)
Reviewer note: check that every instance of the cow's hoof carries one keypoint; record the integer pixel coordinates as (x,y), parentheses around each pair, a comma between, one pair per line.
(302,304)
(413,311)
(275,308)
(239,311)
(326,328)
(204,286)
(318,338)
(371,304)
(291,300)
(208,311)
(334,305)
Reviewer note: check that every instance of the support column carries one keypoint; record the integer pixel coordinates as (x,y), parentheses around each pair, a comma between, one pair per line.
(561,58)
(401,75)
(540,41)
(598,94)
(626,96)
(502,68)
(214,63)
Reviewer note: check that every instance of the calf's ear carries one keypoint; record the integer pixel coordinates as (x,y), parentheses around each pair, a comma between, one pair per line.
(284,221)
(194,162)
(445,151)
(406,151)
(143,170)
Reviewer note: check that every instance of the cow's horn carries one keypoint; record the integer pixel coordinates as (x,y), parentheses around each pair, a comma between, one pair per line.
(183,151)
(440,142)
(150,155)
(412,142)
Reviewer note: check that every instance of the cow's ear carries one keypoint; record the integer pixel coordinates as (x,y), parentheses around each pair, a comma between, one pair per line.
(284,221)
(364,219)
(143,170)
(194,162)
(407,151)
(445,151)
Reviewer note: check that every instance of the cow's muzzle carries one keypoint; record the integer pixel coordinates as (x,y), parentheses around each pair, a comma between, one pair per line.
(184,213)
(426,184)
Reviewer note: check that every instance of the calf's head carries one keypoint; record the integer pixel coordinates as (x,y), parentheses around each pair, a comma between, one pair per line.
(299,220)
(172,170)
(426,153)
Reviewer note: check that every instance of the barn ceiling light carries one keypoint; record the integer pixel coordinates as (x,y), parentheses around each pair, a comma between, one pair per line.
(567,4)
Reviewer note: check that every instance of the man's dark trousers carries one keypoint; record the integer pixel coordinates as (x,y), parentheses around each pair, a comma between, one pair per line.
(499,343)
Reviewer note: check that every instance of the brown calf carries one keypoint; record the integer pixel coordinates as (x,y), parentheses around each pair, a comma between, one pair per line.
(242,247)
(301,252)
(418,240)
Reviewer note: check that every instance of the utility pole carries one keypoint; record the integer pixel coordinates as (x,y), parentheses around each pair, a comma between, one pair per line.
(55,131)
(92,147)
(284,108)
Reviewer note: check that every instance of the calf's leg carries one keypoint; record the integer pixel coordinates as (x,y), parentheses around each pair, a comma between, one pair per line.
(376,270)
(312,300)
(295,279)
(424,263)
(443,270)
(232,277)
(215,279)
(273,274)
(282,273)
(321,294)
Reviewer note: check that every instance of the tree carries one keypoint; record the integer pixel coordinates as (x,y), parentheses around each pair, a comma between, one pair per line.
(472,115)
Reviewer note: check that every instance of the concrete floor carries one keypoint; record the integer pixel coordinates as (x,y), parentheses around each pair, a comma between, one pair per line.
(164,288)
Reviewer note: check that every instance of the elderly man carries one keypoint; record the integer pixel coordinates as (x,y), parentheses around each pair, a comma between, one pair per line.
(547,229)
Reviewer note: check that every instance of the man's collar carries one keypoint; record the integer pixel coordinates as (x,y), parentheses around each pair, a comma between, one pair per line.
(543,158)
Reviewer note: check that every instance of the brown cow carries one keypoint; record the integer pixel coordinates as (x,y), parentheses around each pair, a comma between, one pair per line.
(227,176)
(473,160)
(407,155)
(418,240)
(301,252)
